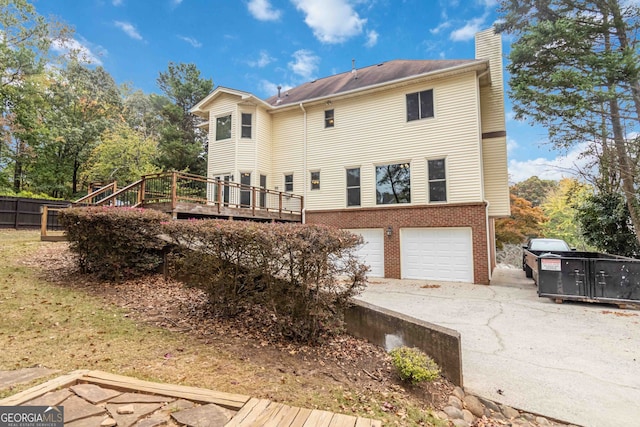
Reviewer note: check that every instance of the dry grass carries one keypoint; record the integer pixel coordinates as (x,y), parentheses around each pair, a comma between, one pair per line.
(66,326)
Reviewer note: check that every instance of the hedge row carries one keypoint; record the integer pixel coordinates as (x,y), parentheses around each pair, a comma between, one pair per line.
(115,243)
(303,274)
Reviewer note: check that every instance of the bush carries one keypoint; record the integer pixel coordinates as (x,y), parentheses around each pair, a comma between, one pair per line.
(114,242)
(303,275)
(413,365)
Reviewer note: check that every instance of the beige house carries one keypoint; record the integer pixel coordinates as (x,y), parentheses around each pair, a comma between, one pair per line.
(410,154)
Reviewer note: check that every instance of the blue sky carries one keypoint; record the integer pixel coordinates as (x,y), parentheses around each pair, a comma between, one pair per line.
(256,45)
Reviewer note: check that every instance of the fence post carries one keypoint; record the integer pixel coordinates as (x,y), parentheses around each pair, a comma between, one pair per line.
(15,218)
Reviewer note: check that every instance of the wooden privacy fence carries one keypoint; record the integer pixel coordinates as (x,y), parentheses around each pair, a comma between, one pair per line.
(21,213)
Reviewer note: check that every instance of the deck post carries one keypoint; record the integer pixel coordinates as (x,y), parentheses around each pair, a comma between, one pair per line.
(280,205)
(219,194)
(142,190)
(253,201)
(174,190)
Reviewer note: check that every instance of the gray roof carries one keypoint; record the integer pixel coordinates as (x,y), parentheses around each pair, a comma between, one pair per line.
(373,75)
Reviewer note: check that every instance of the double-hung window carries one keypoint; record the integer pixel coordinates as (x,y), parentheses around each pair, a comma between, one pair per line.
(353,187)
(288,183)
(315,180)
(246,125)
(437,180)
(420,105)
(328,119)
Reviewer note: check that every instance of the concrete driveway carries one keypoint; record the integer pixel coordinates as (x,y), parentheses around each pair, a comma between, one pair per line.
(576,362)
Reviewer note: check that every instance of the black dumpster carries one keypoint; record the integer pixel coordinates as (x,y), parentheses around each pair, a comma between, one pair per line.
(589,276)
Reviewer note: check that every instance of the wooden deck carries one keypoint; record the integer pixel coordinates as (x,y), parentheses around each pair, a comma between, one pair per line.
(249,412)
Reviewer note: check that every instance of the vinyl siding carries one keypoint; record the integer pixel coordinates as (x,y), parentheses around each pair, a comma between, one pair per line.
(287,145)
(222,153)
(496,176)
(494,150)
(263,139)
(246,160)
(371,131)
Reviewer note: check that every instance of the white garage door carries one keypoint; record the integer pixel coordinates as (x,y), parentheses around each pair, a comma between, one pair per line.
(436,254)
(372,252)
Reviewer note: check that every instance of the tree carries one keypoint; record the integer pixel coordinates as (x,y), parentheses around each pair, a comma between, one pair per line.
(182,144)
(524,222)
(123,155)
(559,208)
(575,69)
(85,103)
(606,224)
(534,189)
(24,51)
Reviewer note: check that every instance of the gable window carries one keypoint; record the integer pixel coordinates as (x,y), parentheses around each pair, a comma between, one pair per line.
(315,180)
(223,127)
(246,125)
(288,183)
(420,105)
(437,181)
(393,184)
(328,119)
(353,187)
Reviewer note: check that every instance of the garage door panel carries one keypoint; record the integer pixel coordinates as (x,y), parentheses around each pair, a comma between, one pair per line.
(436,254)
(372,251)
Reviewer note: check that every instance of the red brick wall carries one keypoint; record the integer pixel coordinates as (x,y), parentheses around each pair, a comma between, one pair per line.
(454,215)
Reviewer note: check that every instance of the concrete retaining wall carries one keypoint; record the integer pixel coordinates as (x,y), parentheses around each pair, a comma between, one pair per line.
(390,329)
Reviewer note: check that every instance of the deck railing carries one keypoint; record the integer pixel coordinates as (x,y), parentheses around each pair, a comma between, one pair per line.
(98,195)
(175,188)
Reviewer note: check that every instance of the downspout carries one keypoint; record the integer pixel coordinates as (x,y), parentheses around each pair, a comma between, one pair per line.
(304,164)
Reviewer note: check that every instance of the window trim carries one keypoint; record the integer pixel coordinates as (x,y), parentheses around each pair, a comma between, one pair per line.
(311,186)
(445,179)
(347,187)
(420,117)
(376,166)
(244,126)
(230,126)
(329,121)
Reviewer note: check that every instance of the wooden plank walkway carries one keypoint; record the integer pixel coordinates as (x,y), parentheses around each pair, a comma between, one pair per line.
(250,412)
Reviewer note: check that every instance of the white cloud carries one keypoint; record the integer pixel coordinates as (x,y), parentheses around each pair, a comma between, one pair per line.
(489,4)
(82,48)
(262,10)
(562,166)
(511,145)
(176,2)
(372,38)
(270,89)
(332,21)
(443,26)
(116,2)
(129,29)
(263,60)
(305,64)
(469,30)
(193,42)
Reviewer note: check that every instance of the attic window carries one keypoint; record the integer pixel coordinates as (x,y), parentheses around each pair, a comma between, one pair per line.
(328,118)
(420,105)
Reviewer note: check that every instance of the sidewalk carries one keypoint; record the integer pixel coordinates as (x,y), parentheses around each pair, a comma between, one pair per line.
(576,362)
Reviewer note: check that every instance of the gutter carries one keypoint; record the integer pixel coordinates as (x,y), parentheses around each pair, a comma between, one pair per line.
(304,164)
